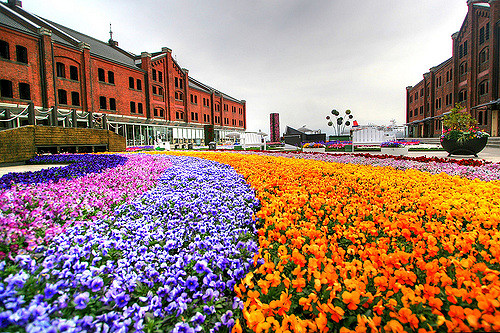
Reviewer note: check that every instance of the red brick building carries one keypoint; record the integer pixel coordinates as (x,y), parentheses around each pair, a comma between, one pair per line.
(143,97)
(470,77)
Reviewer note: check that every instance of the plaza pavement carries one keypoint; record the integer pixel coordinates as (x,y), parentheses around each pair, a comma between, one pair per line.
(490,154)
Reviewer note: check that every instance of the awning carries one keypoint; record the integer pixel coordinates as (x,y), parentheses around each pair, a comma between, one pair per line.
(428,118)
(497,102)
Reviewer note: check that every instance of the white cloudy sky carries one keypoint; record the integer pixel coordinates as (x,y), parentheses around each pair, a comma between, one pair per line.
(300,58)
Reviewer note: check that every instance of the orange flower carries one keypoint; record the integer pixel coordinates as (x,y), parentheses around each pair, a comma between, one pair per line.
(351,299)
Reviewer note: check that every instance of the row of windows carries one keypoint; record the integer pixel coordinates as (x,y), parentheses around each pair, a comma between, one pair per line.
(62,97)
(206,102)
(103,105)
(194,99)
(134,110)
(157,76)
(179,83)
(484,33)
(157,90)
(179,96)
(21,52)
(462,50)
(449,75)
(7,91)
(131,82)
(101,76)
(61,71)
(438,103)
(449,99)
(158,112)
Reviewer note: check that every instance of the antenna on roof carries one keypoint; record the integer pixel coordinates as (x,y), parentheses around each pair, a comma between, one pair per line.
(111,41)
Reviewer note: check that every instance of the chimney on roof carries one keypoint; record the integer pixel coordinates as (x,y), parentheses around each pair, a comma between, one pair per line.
(111,42)
(13,3)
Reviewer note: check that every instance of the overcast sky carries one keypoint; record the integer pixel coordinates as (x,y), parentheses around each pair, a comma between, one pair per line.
(300,58)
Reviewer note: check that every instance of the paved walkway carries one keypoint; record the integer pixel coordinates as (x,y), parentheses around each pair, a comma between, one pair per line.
(25,168)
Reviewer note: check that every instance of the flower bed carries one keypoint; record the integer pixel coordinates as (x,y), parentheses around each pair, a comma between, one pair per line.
(33,214)
(79,165)
(472,169)
(350,247)
(167,261)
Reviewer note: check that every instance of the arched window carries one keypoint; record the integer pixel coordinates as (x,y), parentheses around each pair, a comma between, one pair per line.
(463,68)
(484,55)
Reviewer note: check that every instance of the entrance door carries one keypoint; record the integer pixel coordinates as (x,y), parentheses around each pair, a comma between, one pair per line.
(494,122)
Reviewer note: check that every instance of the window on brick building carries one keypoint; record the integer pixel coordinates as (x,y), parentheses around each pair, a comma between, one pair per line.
(160,76)
(462,95)
(73,73)
(101,75)
(4,50)
(480,118)
(481,36)
(132,107)
(160,91)
(180,84)
(102,103)
(21,54)
(463,68)
(177,82)
(487,31)
(155,112)
(484,55)
(75,98)
(421,110)
(139,108)
(112,104)
(161,113)
(111,77)
(24,91)
(465,48)
(154,90)
(131,82)
(483,88)
(139,84)
(62,96)
(154,74)
(60,69)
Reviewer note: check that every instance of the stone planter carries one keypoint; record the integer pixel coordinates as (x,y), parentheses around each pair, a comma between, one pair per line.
(396,151)
(313,150)
(468,147)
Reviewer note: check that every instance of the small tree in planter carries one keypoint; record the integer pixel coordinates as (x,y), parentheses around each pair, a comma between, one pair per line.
(461,135)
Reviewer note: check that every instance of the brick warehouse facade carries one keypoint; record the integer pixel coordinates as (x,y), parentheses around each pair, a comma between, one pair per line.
(470,77)
(75,80)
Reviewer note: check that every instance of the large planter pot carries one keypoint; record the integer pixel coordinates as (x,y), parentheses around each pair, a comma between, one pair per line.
(468,147)
(313,150)
(396,151)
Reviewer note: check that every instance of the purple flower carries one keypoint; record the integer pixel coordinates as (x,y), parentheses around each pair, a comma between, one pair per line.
(200,266)
(183,328)
(96,284)
(81,301)
(198,318)
(122,299)
(50,291)
(192,283)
